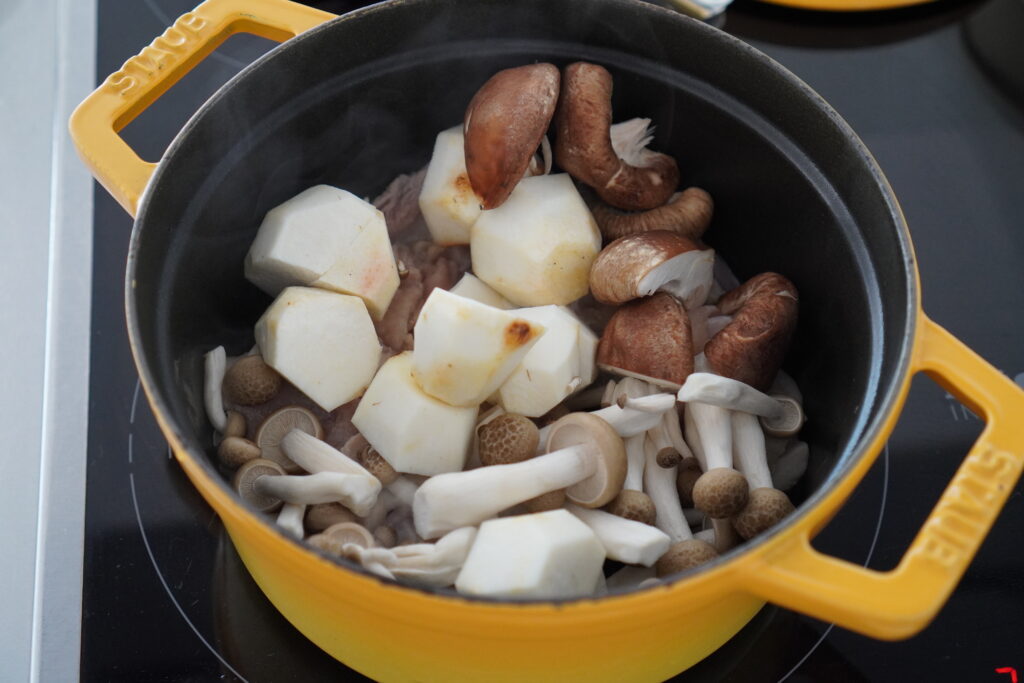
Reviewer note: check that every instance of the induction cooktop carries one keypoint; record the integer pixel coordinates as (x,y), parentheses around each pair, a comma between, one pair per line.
(166,598)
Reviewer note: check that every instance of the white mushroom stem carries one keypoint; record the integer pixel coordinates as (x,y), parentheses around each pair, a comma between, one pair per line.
(748,450)
(660,485)
(706,535)
(629,577)
(714,427)
(635,454)
(609,394)
(376,515)
(790,466)
(290,519)
(430,564)
(643,406)
(704,387)
(314,455)
(635,458)
(403,489)
(456,499)
(693,438)
(664,447)
(627,421)
(624,539)
(356,492)
(675,434)
(215,366)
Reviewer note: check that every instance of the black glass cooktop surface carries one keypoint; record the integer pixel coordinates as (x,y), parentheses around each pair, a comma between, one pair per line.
(167,599)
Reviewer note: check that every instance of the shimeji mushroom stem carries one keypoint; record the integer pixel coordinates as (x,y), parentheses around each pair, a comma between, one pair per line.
(290,519)
(356,492)
(660,485)
(456,499)
(314,455)
(714,428)
(693,438)
(623,539)
(749,450)
(635,458)
(216,362)
(630,421)
(704,387)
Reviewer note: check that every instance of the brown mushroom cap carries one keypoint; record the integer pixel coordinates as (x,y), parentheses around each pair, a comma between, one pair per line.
(634,505)
(504,124)
(619,270)
(507,439)
(552,500)
(360,450)
(720,492)
(751,347)
(685,555)
(245,483)
(688,214)
(686,478)
(322,515)
(235,451)
(511,438)
(789,422)
(583,145)
(766,508)
(607,448)
(236,424)
(251,382)
(649,337)
(277,425)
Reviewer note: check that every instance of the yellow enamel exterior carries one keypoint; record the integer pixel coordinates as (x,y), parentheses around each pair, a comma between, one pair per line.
(847,5)
(394,633)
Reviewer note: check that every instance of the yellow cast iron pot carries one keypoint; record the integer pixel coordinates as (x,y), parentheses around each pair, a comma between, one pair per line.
(357,99)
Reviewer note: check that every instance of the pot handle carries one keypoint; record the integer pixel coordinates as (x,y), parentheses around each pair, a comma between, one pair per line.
(899,603)
(145,77)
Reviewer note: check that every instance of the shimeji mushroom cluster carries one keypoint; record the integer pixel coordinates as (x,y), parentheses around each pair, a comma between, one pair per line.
(488,457)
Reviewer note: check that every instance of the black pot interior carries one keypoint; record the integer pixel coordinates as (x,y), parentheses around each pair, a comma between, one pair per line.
(360,100)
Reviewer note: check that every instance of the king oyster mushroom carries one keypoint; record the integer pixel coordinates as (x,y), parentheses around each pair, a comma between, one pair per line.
(585,456)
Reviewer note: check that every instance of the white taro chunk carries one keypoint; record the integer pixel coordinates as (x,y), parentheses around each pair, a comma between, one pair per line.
(447,201)
(537,247)
(553,368)
(547,555)
(322,342)
(472,287)
(465,349)
(329,238)
(413,431)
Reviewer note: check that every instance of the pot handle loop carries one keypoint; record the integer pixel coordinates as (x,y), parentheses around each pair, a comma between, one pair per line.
(145,77)
(899,603)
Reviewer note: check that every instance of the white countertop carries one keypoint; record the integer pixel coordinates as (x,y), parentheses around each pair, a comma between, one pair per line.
(45,292)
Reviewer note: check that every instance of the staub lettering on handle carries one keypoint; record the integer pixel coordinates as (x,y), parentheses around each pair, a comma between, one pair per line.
(966,509)
(159,55)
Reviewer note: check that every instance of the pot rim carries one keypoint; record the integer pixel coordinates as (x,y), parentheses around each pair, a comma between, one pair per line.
(869,432)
